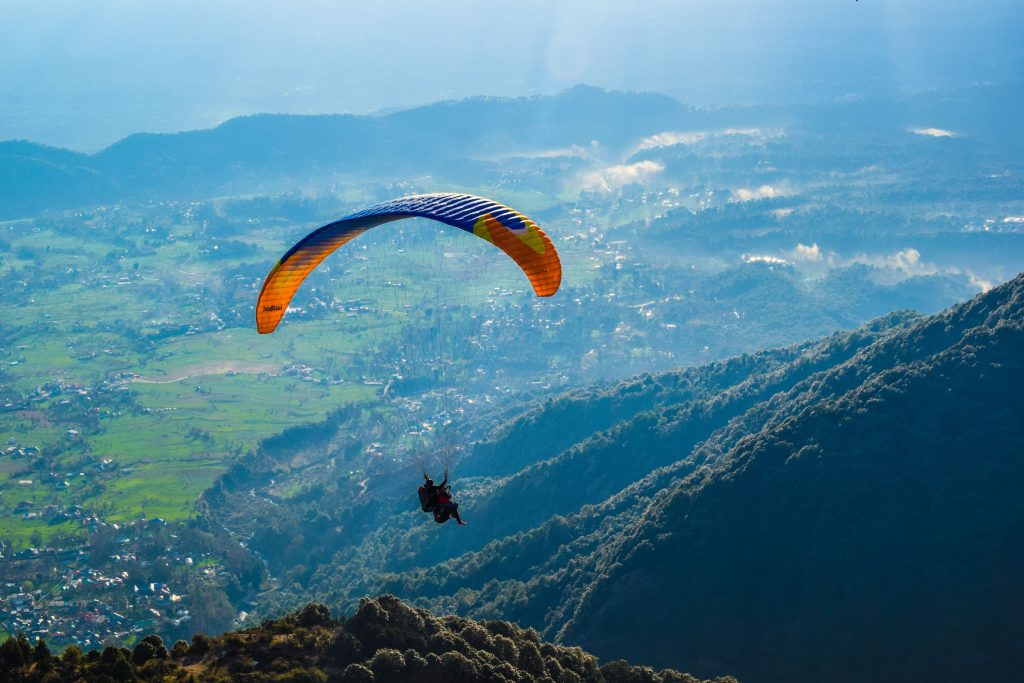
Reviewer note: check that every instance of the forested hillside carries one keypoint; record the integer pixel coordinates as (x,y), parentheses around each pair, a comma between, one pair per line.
(385,640)
(869,531)
(839,510)
(564,454)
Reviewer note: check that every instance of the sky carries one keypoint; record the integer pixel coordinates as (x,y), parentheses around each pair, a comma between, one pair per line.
(83,74)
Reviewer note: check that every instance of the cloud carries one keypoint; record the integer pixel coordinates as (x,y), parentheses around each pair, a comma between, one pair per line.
(669,138)
(807,253)
(906,261)
(982,284)
(934,132)
(899,264)
(763,258)
(889,268)
(744,194)
(614,177)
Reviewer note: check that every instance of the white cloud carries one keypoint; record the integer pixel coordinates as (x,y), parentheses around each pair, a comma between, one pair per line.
(744,194)
(810,253)
(906,261)
(614,177)
(669,138)
(898,264)
(763,258)
(982,284)
(890,268)
(933,132)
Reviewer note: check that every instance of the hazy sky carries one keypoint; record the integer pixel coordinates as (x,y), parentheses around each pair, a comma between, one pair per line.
(84,73)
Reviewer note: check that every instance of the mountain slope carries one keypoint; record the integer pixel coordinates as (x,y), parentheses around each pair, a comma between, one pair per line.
(661,417)
(874,534)
(859,520)
(32,176)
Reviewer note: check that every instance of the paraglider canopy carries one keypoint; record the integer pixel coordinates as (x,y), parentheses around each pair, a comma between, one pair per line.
(507,229)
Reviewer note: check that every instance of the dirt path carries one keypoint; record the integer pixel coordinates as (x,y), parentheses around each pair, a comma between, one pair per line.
(211,368)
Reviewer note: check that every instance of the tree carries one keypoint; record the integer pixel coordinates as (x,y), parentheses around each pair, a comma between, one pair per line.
(143,653)
(42,657)
(114,663)
(72,658)
(211,610)
(157,643)
(13,655)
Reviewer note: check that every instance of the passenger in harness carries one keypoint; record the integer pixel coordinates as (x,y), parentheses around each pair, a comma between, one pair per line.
(438,500)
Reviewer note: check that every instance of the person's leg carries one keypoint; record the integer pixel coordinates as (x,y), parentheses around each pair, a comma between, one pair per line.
(455,513)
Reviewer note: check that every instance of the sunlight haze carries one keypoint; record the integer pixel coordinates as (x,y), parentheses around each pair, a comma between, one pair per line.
(83,75)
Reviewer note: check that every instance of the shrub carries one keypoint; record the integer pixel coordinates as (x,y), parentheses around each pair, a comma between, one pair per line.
(344,649)
(144,652)
(200,646)
(72,658)
(356,673)
(505,648)
(159,651)
(315,614)
(179,650)
(388,665)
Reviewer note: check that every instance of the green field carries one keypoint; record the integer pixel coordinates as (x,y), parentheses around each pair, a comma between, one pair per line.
(95,303)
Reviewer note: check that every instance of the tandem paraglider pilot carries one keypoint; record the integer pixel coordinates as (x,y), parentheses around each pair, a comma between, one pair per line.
(438,500)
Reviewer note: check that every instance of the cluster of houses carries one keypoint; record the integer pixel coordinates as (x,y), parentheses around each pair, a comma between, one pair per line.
(12,450)
(59,392)
(90,607)
(300,371)
(68,596)
(64,616)
(56,513)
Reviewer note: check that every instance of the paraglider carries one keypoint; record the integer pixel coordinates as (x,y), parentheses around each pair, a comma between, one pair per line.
(512,232)
(437,499)
(506,228)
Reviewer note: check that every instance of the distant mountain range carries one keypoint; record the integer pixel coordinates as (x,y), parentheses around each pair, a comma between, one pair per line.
(286,152)
(278,153)
(842,510)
